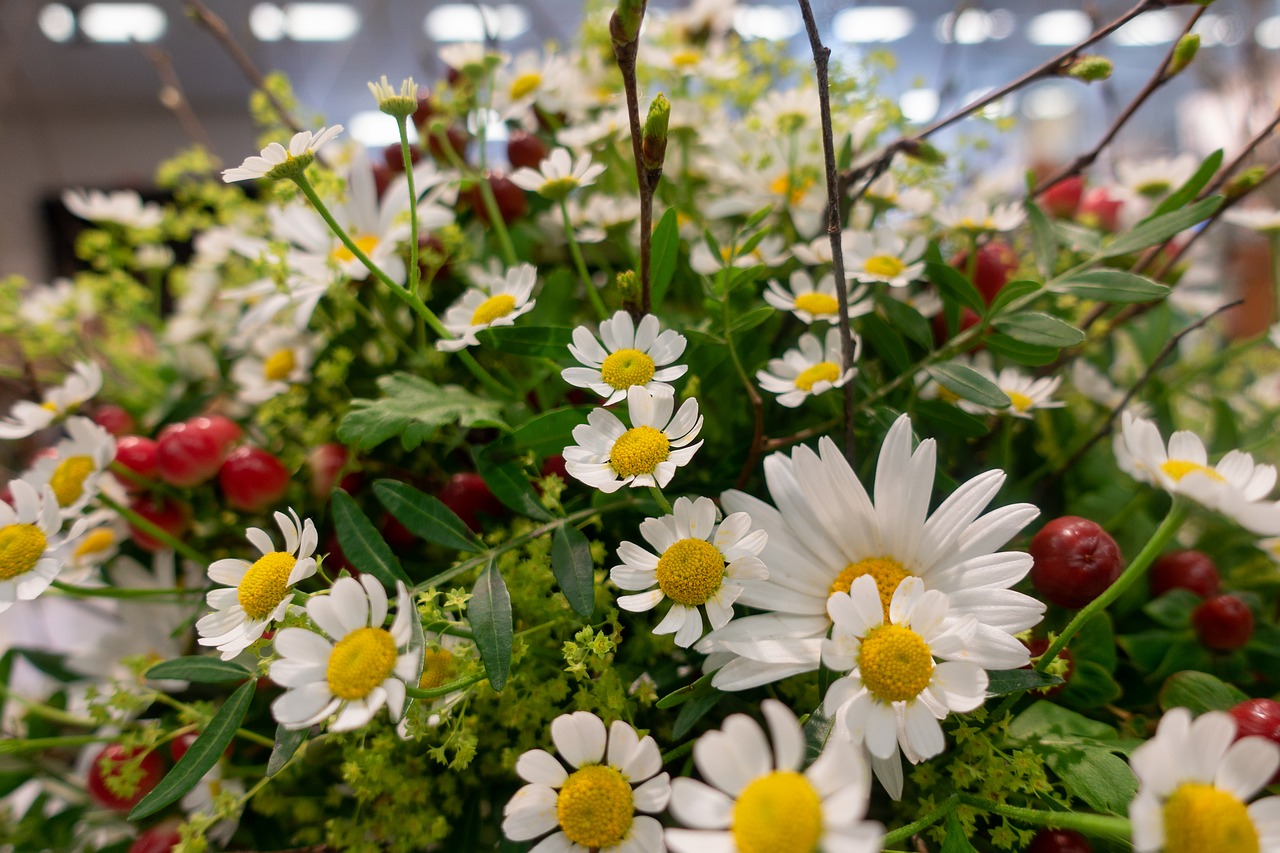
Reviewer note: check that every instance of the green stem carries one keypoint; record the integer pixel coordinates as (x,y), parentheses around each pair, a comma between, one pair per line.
(415,273)
(576,252)
(902,833)
(120,592)
(444,689)
(151,529)
(496,222)
(12,746)
(678,752)
(658,496)
(1099,826)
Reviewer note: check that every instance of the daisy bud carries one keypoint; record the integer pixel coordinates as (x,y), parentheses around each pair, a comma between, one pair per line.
(624,24)
(1244,182)
(627,288)
(1090,69)
(400,105)
(654,145)
(1183,53)
(918,149)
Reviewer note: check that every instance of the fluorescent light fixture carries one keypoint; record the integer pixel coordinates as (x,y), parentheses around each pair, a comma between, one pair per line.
(455,22)
(974,26)
(1159,27)
(267,22)
(873,24)
(304,21)
(376,129)
(1219,30)
(1050,101)
(1267,33)
(918,105)
(777,23)
(1059,27)
(57,22)
(123,22)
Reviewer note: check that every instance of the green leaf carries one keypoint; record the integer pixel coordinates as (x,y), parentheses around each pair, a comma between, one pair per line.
(1032,327)
(1091,686)
(200,669)
(1011,291)
(693,711)
(1022,352)
(50,663)
(1173,609)
(751,319)
(956,841)
(491,626)
(362,544)
(200,757)
(287,743)
(574,570)
(1078,238)
(413,409)
(1113,286)
(954,282)
(1096,776)
(1160,228)
(1147,648)
(886,343)
(1046,722)
(511,486)
(1002,681)
(1043,241)
(425,516)
(664,251)
(817,730)
(969,384)
(1188,191)
(684,694)
(1198,691)
(545,434)
(950,419)
(533,341)
(907,320)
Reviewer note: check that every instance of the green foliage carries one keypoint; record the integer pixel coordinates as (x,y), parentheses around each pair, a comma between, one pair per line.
(413,409)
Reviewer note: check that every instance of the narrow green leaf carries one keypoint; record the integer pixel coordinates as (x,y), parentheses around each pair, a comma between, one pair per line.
(361,542)
(693,711)
(683,694)
(1198,691)
(969,384)
(574,570)
(203,753)
(664,251)
(955,283)
(1113,286)
(1188,191)
(1077,238)
(491,625)
(544,434)
(200,669)
(956,841)
(907,320)
(1032,327)
(751,319)
(756,218)
(887,344)
(1155,231)
(1002,681)
(1022,352)
(950,419)
(287,743)
(532,341)
(425,516)
(509,484)
(1043,241)
(1011,291)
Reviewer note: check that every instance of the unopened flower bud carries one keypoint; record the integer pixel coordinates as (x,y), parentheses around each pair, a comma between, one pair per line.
(918,149)
(1090,69)
(653,146)
(402,104)
(1244,182)
(1183,53)
(627,287)
(624,24)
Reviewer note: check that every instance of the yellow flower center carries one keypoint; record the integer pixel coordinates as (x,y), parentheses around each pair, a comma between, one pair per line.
(778,813)
(1199,818)
(279,365)
(627,367)
(595,807)
(50,407)
(558,188)
(895,663)
(794,192)
(690,571)
(21,547)
(360,662)
(525,84)
(68,479)
(885,571)
(96,542)
(817,304)
(946,395)
(438,668)
(493,308)
(263,587)
(1019,402)
(639,450)
(1176,469)
(884,265)
(686,58)
(823,371)
(366,244)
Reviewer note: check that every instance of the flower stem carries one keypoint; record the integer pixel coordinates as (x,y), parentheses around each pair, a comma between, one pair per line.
(902,833)
(119,592)
(658,496)
(592,294)
(1101,826)
(444,689)
(415,273)
(153,530)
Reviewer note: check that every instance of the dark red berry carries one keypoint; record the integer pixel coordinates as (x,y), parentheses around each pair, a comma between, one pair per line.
(1075,560)
(1193,570)
(1099,209)
(335,559)
(996,262)
(469,497)
(381,178)
(1223,623)
(524,150)
(252,479)
(396,534)
(394,155)
(158,839)
(224,431)
(555,465)
(1059,841)
(138,454)
(426,109)
(968,319)
(512,203)
(455,137)
(1039,646)
(114,420)
(187,457)
(1063,198)
(326,463)
(109,763)
(1258,718)
(169,515)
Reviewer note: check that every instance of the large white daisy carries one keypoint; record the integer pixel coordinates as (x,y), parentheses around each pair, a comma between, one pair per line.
(809,369)
(592,806)
(483,308)
(631,355)
(979,217)
(1026,393)
(27,564)
(26,417)
(609,456)
(77,464)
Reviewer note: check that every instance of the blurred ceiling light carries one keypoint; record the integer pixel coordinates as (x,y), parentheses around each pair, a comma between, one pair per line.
(868,24)
(57,22)
(1061,26)
(974,26)
(778,23)
(1159,27)
(461,22)
(1219,30)
(1267,33)
(1050,101)
(918,105)
(304,21)
(122,22)
(375,129)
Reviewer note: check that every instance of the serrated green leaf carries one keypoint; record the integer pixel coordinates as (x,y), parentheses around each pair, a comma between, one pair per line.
(1011,291)
(1022,352)
(1002,681)
(950,280)
(1113,286)
(491,625)
(1188,191)
(362,544)
(509,485)
(425,516)
(907,320)
(200,669)
(1032,327)
(1198,691)
(287,743)
(664,251)
(200,757)
(532,341)
(1159,229)
(413,409)
(1043,241)
(969,384)
(574,569)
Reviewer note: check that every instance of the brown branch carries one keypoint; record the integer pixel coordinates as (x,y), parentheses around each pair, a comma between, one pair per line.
(174,98)
(625,55)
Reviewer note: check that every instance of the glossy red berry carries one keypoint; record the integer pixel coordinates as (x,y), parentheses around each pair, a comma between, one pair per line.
(1062,200)
(110,763)
(114,420)
(995,263)
(381,178)
(1223,623)
(1193,570)
(138,454)
(524,150)
(1100,209)
(1075,560)
(252,479)
(1059,841)
(426,109)
(396,534)
(469,497)
(394,155)
(1259,718)
(187,457)
(158,839)
(223,430)
(171,516)
(325,463)
(512,203)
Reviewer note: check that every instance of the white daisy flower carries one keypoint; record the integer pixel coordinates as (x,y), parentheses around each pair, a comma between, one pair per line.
(609,456)
(124,207)
(280,357)
(1261,219)
(100,536)
(883,256)
(441,654)
(470,57)
(827,532)
(769,252)
(77,464)
(80,386)
(27,566)
(302,146)
(482,308)
(1026,393)
(557,176)
(631,355)
(259,593)
(698,563)
(1155,177)
(592,805)
(884,191)
(814,303)
(818,250)
(59,304)
(809,369)
(758,799)
(367,666)
(979,217)
(1194,783)
(1235,486)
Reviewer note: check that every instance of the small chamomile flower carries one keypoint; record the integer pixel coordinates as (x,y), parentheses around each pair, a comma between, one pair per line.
(557,175)
(26,417)
(631,355)
(978,217)
(884,192)
(202,801)
(759,801)
(883,256)
(816,303)
(809,369)
(124,207)
(391,102)
(499,304)
(593,804)
(76,466)
(698,564)
(769,252)
(100,536)
(609,456)
(1026,393)
(1154,178)
(280,357)
(27,563)
(258,593)
(365,666)
(277,162)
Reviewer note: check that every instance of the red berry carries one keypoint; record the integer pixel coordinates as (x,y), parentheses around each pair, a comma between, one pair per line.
(1098,209)
(1223,622)
(224,431)
(1075,560)
(524,150)
(381,178)
(326,463)
(109,763)
(1193,570)
(468,497)
(169,515)
(555,465)
(512,203)
(455,137)
(252,479)
(1063,198)
(1039,646)
(1059,841)
(187,457)
(114,420)
(396,534)
(426,109)
(996,262)
(394,155)
(1258,718)
(158,839)
(138,454)
(335,560)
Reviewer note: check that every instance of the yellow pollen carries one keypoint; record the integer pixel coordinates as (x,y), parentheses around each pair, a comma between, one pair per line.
(884,265)
(95,543)
(595,807)
(691,571)
(279,365)
(21,547)
(557,188)
(525,84)
(263,587)
(885,571)
(1019,402)
(438,668)
(778,813)
(360,662)
(1199,818)
(1176,469)
(493,308)
(68,479)
(627,367)
(639,450)
(895,663)
(366,244)
(817,304)
(685,58)
(823,371)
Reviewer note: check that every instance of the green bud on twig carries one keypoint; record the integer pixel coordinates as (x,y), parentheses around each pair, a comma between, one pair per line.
(653,145)
(627,287)
(1183,53)
(1244,182)
(624,24)
(918,149)
(1090,69)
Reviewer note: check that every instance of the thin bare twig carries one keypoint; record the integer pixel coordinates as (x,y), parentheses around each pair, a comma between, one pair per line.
(174,98)
(625,54)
